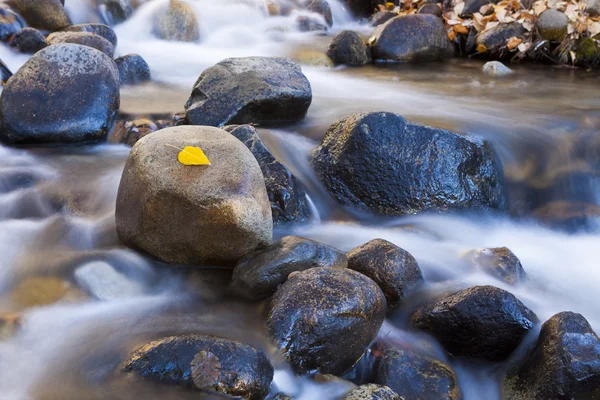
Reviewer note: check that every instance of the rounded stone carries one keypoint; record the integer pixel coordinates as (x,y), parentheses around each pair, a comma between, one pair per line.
(48,15)
(349,48)
(193,214)
(82,38)
(133,69)
(99,29)
(29,41)
(372,391)
(552,25)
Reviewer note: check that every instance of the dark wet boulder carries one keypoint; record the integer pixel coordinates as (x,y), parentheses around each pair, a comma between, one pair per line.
(498,262)
(204,362)
(48,15)
(381,17)
(473,6)
(29,41)
(83,38)
(349,48)
(415,376)
(372,391)
(5,73)
(99,29)
(77,97)
(482,322)
(431,8)
(411,38)
(200,214)
(564,365)
(286,193)
(552,25)
(496,39)
(129,132)
(133,69)
(361,8)
(258,90)
(322,8)
(394,269)
(116,11)
(406,168)
(258,274)
(587,53)
(323,319)
(10,23)
(179,23)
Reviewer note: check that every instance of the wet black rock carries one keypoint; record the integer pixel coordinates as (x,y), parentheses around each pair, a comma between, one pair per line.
(361,8)
(29,41)
(133,69)
(499,262)
(482,322)
(259,90)
(286,194)
(323,319)
(48,15)
(99,29)
(322,8)
(116,11)
(77,97)
(382,163)
(431,8)
(258,275)
(411,38)
(381,17)
(415,376)
(350,49)
(205,362)
(5,73)
(394,269)
(372,391)
(10,22)
(473,6)
(564,365)
(495,39)
(83,38)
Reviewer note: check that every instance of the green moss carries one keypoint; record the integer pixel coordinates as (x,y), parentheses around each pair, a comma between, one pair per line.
(588,53)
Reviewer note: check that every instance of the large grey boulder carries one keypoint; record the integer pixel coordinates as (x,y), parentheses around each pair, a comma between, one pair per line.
(258,90)
(382,163)
(193,214)
(64,93)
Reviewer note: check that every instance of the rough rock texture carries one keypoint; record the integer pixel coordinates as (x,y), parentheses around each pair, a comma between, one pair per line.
(286,194)
(372,391)
(482,322)
(431,8)
(552,25)
(179,23)
(411,38)
(83,38)
(496,68)
(48,15)
(416,377)
(564,365)
(29,41)
(499,262)
(205,362)
(324,318)
(495,39)
(394,269)
(257,90)
(133,69)
(382,163)
(193,214)
(258,274)
(99,29)
(76,97)
(350,49)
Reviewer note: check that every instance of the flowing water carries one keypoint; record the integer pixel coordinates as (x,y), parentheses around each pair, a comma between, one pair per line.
(543,122)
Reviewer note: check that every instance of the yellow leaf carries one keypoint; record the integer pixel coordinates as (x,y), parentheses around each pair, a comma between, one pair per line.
(481,48)
(191,155)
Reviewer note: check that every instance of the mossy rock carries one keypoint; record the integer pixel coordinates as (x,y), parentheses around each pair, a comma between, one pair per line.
(588,53)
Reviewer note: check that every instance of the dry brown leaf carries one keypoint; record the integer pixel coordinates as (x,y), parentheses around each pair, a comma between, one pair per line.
(451,35)
(205,368)
(481,48)
(461,29)
(484,9)
(513,42)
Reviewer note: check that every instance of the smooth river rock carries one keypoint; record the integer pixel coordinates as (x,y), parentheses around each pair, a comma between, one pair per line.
(204,362)
(133,69)
(323,319)
(394,269)
(83,38)
(349,48)
(48,15)
(382,163)
(99,29)
(372,391)
(482,322)
(411,38)
(259,90)
(259,274)
(193,214)
(498,262)
(64,93)
(29,41)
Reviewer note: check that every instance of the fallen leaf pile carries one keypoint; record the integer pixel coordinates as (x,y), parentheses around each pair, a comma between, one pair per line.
(581,25)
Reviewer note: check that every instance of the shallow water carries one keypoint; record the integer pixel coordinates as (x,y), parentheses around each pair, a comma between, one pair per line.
(543,122)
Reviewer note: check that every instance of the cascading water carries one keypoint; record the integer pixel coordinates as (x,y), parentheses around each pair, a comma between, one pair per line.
(71,349)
